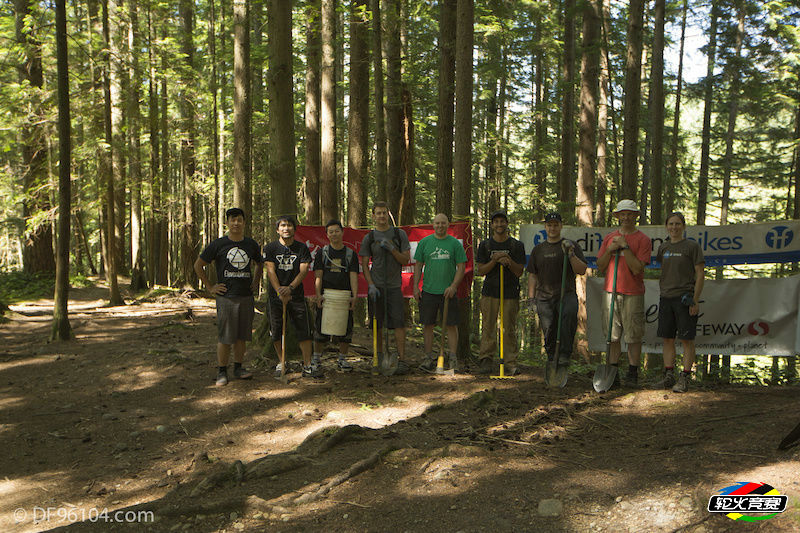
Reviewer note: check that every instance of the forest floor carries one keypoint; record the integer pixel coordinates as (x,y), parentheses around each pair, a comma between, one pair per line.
(126,417)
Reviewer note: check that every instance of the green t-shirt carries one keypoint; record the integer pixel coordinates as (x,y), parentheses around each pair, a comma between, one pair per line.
(441,256)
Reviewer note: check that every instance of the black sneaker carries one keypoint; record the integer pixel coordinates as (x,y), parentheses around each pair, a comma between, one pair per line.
(343,365)
(403,368)
(631,381)
(314,370)
(429,364)
(242,373)
(485,366)
(222,378)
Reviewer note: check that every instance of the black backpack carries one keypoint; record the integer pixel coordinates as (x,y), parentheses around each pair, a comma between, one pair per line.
(371,238)
(348,256)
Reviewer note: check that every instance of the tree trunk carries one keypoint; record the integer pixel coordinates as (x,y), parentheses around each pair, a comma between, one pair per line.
(258,136)
(380,123)
(602,124)
(657,117)
(566,177)
(358,120)
(408,198)
(734,81)
(328,182)
(588,121)
(190,241)
(242,196)
(672,175)
(446,107)
(61,329)
(154,248)
(163,271)
(462,166)
(393,106)
(138,279)
(705,144)
(540,125)
(37,252)
(312,156)
(633,79)
(281,103)
(213,86)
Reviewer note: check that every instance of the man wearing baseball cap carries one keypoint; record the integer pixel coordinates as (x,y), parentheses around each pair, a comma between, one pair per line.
(634,248)
(499,251)
(545,270)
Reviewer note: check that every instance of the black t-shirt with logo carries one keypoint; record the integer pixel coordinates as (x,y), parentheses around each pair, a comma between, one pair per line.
(491,283)
(287,261)
(547,262)
(234,260)
(335,268)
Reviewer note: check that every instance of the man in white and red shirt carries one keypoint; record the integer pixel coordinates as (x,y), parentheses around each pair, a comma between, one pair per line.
(634,248)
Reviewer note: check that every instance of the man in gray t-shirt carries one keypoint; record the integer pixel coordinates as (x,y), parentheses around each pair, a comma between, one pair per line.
(390,250)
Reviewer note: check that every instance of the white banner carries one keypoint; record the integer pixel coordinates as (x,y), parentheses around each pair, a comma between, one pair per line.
(737,317)
(732,244)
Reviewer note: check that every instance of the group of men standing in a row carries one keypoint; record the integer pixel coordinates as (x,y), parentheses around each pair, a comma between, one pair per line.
(440,261)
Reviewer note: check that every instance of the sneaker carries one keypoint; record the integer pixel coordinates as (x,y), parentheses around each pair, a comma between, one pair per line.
(683,383)
(631,381)
(278,371)
(222,378)
(314,370)
(403,368)
(343,365)
(666,382)
(242,373)
(485,366)
(453,360)
(429,364)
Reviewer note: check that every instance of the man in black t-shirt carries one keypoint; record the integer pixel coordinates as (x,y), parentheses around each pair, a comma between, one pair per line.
(234,255)
(500,251)
(545,269)
(335,267)
(287,262)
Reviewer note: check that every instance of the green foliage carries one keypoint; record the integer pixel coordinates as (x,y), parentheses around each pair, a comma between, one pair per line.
(19,286)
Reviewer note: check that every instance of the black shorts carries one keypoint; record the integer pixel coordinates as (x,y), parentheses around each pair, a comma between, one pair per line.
(320,337)
(395,308)
(298,313)
(674,320)
(431,304)
(234,319)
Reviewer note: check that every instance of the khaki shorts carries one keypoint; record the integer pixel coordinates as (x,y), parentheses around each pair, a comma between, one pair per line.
(628,317)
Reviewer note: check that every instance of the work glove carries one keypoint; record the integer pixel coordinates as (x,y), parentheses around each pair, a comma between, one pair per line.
(531,303)
(387,245)
(373,292)
(568,246)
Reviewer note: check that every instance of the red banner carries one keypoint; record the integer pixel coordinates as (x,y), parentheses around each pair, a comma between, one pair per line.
(315,238)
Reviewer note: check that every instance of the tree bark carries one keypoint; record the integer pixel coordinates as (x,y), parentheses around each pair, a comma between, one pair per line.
(258,135)
(393,106)
(566,195)
(705,143)
(138,279)
(633,78)
(672,174)
(37,251)
(408,199)
(313,154)
(154,241)
(588,121)
(601,188)
(61,329)
(282,158)
(358,120)
(657,117)
(733,75)
(380,122)
(446,107)
(328,189)
(190,241)
(242,190)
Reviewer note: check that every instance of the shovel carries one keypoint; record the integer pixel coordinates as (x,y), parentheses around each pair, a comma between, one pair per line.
(440,363)
(555,374)
(502,332)
(604,374)
(283,347)
(374,338)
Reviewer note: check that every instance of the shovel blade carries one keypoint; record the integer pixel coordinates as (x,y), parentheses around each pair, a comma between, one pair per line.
(550,373)
(604,377)
(562,374)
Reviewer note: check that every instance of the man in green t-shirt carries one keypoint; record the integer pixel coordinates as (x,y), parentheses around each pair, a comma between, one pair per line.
(443,259)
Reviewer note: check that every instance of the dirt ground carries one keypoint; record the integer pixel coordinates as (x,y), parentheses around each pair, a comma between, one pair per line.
(122,429)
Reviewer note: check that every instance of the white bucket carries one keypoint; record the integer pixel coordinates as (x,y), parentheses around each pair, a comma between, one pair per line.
(335,312)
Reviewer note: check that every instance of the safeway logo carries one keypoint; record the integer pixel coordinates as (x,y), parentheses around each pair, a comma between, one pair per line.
(758,328)
(779,237)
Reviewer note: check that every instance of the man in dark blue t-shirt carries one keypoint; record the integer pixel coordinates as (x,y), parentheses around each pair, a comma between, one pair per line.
(233,255)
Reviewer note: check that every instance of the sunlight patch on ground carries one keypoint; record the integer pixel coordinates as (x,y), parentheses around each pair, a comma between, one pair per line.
(130,380)
(25,362)
(26,493)
(445,476)
(7,403)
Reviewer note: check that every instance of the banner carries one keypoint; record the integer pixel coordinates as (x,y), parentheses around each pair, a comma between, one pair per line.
(315,238)
(732,244)
(737,317)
